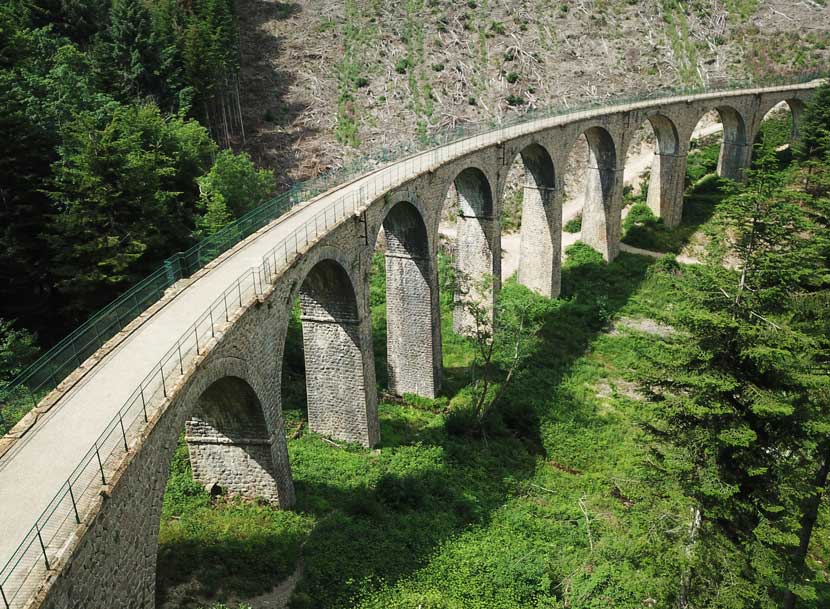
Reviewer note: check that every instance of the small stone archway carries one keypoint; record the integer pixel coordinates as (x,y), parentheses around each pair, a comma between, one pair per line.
(540,255)
(229,441)
(342,402)
(601,207)
(412,309)
(477,252)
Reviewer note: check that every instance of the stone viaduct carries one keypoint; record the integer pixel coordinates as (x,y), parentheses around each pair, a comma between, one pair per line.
(228,399)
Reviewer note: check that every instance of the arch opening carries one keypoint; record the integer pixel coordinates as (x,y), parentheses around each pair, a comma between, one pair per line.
(724,124)
(778,130)
(404,303)
(468,222)
(337,359)
(229,448)
(530,203)
(592,190)
(654,170)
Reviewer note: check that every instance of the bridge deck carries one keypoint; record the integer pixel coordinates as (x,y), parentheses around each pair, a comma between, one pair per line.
(40,462)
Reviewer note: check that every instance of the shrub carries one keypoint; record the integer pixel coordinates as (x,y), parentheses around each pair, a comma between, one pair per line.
(512,77)
(515,100)
(403,65)
(640,214)
(574,225)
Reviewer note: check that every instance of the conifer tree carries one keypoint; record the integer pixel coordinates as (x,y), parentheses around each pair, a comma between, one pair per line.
(737,409)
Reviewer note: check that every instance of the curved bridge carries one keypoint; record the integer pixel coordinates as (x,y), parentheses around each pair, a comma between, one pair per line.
(81,490)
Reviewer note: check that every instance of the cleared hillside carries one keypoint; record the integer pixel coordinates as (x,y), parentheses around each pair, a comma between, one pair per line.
(324,80)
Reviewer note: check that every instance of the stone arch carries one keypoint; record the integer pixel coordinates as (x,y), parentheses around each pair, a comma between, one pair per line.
(793,105)
(229,441)
(601,207)
(412,308)
(340,391)
(668,168)
(477,252)
(735,151)
(541,229)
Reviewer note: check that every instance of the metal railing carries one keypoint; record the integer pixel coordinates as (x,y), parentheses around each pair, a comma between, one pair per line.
(53,528)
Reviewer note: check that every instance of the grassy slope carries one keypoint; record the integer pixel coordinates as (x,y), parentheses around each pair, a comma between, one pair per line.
(559,509)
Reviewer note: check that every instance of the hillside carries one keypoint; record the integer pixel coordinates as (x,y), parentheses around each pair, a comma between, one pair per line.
(321,79)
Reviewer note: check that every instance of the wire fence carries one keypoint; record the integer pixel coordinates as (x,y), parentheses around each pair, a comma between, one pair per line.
(53,528)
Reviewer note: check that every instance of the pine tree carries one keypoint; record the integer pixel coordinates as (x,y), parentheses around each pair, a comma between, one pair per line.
(737,414)
(126,53)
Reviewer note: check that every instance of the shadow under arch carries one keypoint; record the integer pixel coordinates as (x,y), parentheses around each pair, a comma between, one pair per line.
(477,252)
(413,327)
(600,211)
(341,397)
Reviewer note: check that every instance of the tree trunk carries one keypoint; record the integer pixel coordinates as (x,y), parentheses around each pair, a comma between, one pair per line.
(809,514)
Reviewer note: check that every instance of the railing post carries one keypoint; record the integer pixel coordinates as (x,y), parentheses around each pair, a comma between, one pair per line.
(5,600)
(239,289)
(143,401)
(212,332)
(100,464)
(181,363)
(74,505)
(163,383)
(123,433)
(196,334)
(225,299)
(42,547)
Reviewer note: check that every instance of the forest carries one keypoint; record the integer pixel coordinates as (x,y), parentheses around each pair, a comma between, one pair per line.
(657,436)
(118,120)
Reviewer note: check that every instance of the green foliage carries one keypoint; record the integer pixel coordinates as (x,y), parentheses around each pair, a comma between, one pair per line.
(236,179)
(737,403)
(223,543)
(17,350)
(124,195)
(574,225)
(95,169)
(511,210)
(639,214)
(814,140)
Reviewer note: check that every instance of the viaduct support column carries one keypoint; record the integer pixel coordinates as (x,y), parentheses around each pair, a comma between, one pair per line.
(540,251)
(666,185)
(341,394)
(734,159)
(478,267)
(413,326)
(602,209)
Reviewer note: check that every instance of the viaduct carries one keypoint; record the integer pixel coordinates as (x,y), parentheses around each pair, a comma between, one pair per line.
(95,545)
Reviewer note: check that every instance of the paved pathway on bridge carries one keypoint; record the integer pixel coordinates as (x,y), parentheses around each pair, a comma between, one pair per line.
(39,464)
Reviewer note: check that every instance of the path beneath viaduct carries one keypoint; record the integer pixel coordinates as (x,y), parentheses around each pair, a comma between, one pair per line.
(208,360)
